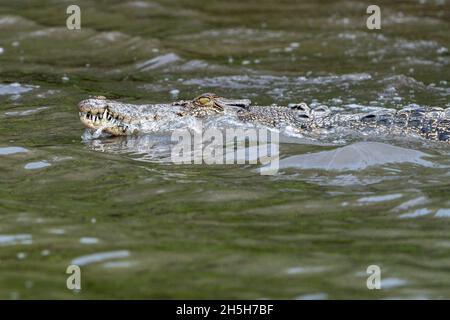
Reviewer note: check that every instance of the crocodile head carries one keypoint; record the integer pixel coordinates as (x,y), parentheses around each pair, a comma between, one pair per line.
(116,118)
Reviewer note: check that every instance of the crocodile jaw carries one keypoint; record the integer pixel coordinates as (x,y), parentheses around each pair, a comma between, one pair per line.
(120,119)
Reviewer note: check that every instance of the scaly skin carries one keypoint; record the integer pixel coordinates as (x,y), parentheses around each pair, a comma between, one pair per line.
(117,118)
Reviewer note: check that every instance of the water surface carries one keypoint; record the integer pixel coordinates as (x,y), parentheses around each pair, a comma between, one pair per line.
(145,228)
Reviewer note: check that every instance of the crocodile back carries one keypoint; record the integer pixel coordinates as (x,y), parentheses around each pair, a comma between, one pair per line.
(430,123)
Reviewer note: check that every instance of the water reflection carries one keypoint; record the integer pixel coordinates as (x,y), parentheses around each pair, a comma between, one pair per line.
(151,148)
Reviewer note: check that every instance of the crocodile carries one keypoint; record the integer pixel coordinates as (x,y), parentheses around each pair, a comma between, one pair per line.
(118,119)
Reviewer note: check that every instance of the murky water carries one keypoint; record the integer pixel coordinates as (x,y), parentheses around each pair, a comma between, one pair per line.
(142,228)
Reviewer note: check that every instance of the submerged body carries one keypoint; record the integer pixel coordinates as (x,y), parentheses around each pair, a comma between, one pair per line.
(117,118)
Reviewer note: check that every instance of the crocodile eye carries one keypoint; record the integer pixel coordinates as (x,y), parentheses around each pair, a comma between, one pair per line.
(203,100)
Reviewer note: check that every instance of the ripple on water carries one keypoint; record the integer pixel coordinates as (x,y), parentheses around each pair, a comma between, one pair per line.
(37,165)
(390,283)
(312,296)
(268,81)
(14,88)
(100,256)
(346,180)
(157,62)
(6,240)
(88,240)
(416,213)
(411,203)
(12,150)
(356,156)
(57,231)
(387,197)
(118,264)
(25,112)
(443,213)
(21,255)
(303,270)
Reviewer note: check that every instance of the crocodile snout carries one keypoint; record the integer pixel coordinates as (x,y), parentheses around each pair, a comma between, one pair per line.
(93,105)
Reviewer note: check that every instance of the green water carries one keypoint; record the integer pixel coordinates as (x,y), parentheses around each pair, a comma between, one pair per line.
(198,231)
